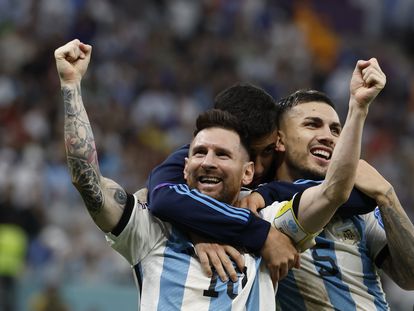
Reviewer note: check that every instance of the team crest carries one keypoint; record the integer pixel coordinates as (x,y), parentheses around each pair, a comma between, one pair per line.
(345,231)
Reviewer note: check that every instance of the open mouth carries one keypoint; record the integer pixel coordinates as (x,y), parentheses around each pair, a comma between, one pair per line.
(322,153)
(209,180)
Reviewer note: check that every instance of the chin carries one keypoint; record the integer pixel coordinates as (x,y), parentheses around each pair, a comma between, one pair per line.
(313,174)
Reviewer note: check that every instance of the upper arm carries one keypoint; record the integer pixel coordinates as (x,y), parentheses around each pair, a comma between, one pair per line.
(105,201)
(315,209)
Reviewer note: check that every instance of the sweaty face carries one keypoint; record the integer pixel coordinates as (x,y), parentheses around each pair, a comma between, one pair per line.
(308,135)
(264,156)
(218,165)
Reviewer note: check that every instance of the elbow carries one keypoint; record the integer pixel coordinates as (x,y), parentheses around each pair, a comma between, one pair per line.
(338,196)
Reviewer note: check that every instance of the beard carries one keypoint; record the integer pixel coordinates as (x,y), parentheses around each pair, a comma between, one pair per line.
(226,194)
(299,170)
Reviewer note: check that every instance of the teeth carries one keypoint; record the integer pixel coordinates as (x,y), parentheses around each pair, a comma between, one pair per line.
(211,180)
(322,153)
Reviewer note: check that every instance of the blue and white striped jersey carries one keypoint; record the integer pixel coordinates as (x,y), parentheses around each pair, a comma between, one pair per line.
(339,272)
(169,275)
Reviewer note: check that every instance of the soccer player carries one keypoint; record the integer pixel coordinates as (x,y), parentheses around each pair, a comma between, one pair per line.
(168,274)
(343,265)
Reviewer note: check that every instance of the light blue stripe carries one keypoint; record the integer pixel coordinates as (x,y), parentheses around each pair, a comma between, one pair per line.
(174,273)
(231,209)
(253,302)
(370,276)
(307,181)
(378,217)
(193,195)
(223,301)
(324,261)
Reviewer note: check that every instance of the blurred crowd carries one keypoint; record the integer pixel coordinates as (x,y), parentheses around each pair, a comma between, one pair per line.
(155,65)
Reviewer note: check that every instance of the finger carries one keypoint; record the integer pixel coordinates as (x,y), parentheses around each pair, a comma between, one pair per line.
(235,255)
(216,263)
(228,267)
(360,65)
(374,79)
(275,276)
(297,262)
(205,264)
(374,62)
(85,50)
(283,271)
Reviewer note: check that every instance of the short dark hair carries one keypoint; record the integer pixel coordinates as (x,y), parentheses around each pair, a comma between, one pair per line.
(252,105)
(301,97)
(223,119)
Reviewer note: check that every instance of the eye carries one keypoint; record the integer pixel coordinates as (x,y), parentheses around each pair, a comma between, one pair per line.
(199,152)
(269,150)
(335,131)
(223,155)
(311,124)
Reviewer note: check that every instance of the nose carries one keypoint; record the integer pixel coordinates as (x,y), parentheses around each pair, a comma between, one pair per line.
(209,161)
(326,137)
(258,167)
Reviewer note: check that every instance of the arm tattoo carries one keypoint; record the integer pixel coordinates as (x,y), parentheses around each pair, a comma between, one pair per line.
(400,237)
(120,197)
(86,180)
(81,151)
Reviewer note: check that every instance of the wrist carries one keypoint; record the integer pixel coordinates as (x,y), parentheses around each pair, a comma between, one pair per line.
(70,84)
(358,109)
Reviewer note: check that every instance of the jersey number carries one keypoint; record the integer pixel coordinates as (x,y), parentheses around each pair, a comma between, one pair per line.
(211,292)
(326,269)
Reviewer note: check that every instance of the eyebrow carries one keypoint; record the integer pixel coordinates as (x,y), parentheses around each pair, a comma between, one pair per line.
(317,119)
(217,149)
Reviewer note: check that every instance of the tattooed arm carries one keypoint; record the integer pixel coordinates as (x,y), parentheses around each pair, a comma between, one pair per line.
(398,262)
(103,198)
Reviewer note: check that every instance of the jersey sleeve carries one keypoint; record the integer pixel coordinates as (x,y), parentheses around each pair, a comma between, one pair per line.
(375,234)
(169,171)
(139,235)
(193,211)
(357,204)
(283,216)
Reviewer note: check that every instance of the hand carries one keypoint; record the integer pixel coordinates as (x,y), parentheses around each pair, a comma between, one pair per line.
(254,202)
(279,254)
(366,82)
(371,182)
(72,60)
(218,256)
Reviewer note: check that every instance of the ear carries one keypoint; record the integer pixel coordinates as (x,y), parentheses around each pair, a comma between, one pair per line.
(185,171)
(280,141)
(248,175)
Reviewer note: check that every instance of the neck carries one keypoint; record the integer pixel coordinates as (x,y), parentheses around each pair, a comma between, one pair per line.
(283,174)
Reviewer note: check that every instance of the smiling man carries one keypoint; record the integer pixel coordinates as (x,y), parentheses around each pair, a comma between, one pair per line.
(341,271)
(302,153)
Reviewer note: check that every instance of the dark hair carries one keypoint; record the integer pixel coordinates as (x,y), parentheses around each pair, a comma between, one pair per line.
(301,97)
(223,119)
(252,106)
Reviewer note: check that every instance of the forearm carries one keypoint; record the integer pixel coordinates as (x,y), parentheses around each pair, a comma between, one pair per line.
(320,203)
(198,213)
(80,150)
(400,238)
(340,176)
